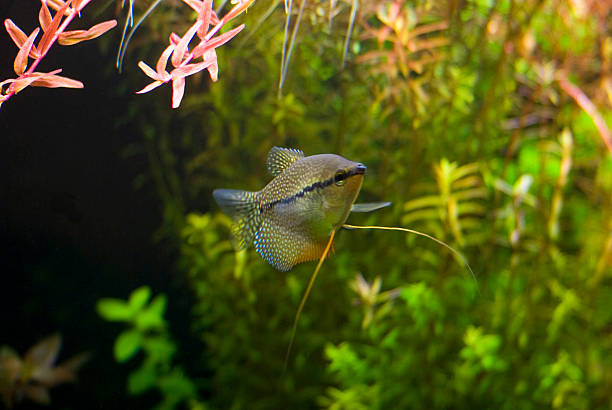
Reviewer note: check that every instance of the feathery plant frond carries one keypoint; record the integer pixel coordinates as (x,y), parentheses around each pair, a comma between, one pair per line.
(456,207)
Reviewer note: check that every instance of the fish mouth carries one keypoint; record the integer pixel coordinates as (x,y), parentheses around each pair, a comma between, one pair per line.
(360,169)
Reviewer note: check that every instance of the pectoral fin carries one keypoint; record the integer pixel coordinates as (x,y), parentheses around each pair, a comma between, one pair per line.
(369,206)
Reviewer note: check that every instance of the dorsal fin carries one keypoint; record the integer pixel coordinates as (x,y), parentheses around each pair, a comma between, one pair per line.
(280,159)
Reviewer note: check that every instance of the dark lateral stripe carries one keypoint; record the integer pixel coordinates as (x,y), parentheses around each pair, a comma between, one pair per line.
(309,188)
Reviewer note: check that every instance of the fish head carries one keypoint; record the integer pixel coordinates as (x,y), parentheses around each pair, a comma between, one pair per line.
(343,179)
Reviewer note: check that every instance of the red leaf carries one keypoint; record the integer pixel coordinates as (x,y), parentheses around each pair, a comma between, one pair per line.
(178,90)
(44,16)
(150,87)
(7,81)
(213,68)
(238,8)
(214,20)
(189,69)
(204,17)
(21,83)
(19,37)
(69,38)
(56,4)
(216,41)
(182,46)
(21,61)
(194,4)
(45,41)
(55,81)
(174,38)
(147,70)
(163,62)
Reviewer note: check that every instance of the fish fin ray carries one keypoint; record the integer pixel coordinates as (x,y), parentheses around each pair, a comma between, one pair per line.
(369,206)
(285,248)
(244,208)
(280,159)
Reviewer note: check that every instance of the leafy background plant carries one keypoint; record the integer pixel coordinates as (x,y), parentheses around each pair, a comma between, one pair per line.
(463,114)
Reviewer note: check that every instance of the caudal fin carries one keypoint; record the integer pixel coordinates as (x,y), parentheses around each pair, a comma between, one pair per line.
(243,207)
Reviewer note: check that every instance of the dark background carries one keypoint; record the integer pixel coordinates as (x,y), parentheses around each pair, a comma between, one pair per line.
(73,228)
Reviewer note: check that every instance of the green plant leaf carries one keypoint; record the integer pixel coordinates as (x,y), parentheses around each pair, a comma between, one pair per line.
(114,310)
(142,379)
(152,317)
(139,298)
(127,345)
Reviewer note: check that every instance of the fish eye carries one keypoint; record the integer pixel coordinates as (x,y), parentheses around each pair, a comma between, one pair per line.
(340,177)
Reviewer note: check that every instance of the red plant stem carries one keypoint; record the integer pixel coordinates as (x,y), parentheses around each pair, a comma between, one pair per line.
(587,105)
(63,26)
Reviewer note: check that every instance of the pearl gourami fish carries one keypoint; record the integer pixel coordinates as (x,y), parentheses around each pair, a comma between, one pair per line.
(291,219)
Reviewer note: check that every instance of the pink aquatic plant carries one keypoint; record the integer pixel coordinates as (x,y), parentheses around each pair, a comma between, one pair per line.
(202,56)
(54,29)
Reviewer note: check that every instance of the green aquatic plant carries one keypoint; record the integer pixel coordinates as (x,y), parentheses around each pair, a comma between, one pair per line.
(456,207)
(33,375)
(148,332)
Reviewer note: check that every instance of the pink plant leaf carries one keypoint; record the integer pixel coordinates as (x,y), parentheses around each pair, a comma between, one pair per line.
(150,87)
(174,38)
(69,38)
(21,61)
(58,4)
(55,81)
(163,62)
(22,82)
(189,69)
(44,16)
(147,70)
(215,42)
(194,4)
(182,46)
(19,37)
(204,17)
(45,41)
(80,4)
(178,90)
(214,20)
(237,9)
(213,68)
(7,81)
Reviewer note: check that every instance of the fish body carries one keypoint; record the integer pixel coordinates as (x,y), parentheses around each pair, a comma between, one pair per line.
(291,219)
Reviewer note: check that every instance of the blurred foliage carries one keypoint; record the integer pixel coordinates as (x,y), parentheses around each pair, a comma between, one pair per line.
(148,332)
(457,109)
(33,376)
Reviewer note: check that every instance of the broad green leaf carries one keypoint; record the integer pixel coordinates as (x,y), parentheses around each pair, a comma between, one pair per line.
(139,298)
(127,345)
(152,317)
(142,379)
(160,349)
(114,310)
